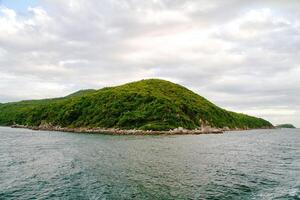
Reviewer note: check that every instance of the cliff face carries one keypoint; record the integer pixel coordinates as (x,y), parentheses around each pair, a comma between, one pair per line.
(145,105)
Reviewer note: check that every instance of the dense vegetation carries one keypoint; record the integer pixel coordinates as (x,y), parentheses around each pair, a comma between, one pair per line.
(285,126)
(148,105)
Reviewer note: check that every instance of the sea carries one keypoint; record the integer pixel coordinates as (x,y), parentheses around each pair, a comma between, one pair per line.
(255,164)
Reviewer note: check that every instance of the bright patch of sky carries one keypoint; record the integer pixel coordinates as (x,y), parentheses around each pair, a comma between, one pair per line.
(20,6)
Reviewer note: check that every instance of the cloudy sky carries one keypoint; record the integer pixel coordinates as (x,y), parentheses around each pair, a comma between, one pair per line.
(241,55)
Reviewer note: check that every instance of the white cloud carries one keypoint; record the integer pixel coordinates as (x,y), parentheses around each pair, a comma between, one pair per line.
(254,24)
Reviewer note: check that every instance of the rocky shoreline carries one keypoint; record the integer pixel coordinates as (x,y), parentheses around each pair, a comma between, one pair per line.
(113,131)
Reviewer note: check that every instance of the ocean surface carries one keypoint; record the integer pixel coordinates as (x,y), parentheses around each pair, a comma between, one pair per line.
(257,164)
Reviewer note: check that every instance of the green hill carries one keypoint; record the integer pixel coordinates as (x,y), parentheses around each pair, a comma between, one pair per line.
(285,126)
(147,105)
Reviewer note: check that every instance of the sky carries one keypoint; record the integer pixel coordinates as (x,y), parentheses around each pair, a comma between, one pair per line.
(241,55)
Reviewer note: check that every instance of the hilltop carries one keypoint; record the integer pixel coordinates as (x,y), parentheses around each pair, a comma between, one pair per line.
(150,104)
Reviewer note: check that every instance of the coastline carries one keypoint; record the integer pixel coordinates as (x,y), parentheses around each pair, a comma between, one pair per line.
(113,131)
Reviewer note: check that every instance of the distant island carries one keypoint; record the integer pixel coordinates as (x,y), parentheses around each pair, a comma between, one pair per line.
(151,106)
(285,126)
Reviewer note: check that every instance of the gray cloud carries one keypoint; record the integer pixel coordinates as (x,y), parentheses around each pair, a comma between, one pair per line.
(242,55)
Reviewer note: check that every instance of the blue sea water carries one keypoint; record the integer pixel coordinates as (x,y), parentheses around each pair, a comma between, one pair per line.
(256,164)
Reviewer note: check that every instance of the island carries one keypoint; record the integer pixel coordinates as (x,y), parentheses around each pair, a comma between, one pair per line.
(150,106)
(285,126)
